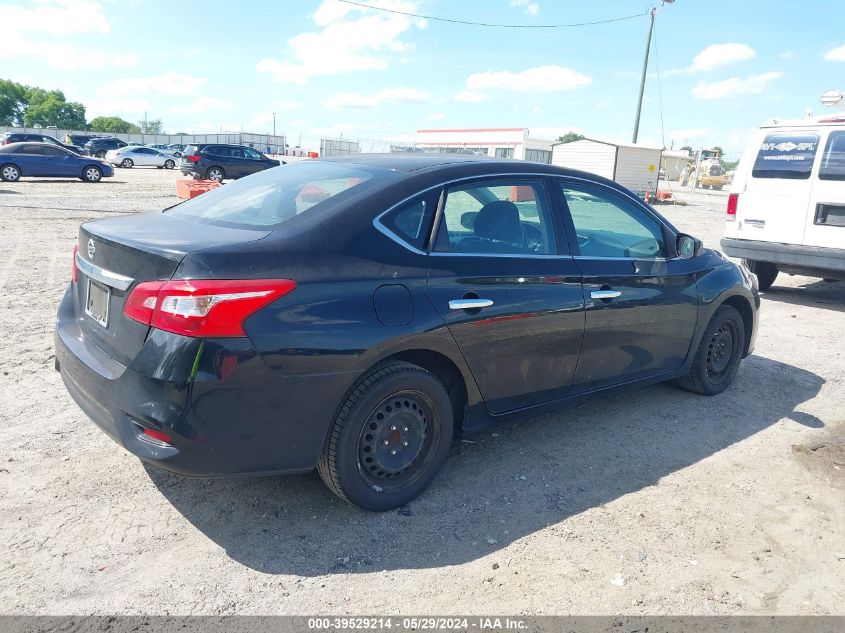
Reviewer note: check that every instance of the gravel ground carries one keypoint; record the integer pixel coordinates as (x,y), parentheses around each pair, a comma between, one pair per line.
(651,502)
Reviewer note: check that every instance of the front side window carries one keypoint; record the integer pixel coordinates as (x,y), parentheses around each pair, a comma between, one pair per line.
(788,156)
(252,154)
(496,217)
(271,197)
(833,160)
(607,225)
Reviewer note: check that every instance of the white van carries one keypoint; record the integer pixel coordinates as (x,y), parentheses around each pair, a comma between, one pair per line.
(786,210)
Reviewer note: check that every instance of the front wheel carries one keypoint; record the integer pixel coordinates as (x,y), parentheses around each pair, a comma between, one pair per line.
(389,439)
(10,173)
(766,272)
(717,358)
(169,164)
(127,162)
(92,174)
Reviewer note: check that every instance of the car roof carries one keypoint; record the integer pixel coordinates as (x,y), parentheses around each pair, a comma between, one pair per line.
(413,161)
(19,144)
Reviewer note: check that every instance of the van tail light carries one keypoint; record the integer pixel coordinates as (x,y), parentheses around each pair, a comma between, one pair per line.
(75,271)
(194,158)
(203,307)
(733,203)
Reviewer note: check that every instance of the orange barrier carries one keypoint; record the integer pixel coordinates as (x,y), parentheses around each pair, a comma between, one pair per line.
(187,188)
(663,195)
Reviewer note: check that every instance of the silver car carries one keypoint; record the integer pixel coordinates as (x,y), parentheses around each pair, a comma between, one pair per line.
(132,156)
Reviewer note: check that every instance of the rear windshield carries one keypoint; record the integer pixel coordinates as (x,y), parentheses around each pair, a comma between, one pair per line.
(190,150)
(273,196)
(833,159)
(786,156)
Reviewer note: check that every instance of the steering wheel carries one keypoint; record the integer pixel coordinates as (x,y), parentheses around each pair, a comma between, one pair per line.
(583,240)
(532,237)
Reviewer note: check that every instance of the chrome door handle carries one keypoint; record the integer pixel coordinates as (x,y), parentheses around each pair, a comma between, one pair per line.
(604,294)
(469,304)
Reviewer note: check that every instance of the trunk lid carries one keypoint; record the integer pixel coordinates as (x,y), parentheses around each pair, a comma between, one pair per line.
(116,254)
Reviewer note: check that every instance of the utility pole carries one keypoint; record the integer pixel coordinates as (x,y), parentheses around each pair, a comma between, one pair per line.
(651,15)
(274,124)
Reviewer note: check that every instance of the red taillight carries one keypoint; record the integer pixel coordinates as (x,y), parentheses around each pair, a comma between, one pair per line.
(156,435)
(75,272)
(733,203)
(203,307)
(194,159)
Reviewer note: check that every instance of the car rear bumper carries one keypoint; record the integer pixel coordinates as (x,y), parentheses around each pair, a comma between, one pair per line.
(795,255)
(225,411)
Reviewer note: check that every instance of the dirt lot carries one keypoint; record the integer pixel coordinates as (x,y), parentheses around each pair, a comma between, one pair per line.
(654,502)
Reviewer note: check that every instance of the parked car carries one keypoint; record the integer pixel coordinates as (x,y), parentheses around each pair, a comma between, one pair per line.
(132,156)
(49,160)
(79,140)
(17,137)
(217,162)
(178,148)
(786,209)
(165,149)
(99,146)
(354,314)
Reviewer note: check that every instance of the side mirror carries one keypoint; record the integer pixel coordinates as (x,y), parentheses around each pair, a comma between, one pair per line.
(688,246)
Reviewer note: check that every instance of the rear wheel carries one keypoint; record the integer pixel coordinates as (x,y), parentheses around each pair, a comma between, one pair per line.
(766,272)
(100,154)
(718,355)
(127,162)
(169,164)
(10,173)
(389,439)
(92,174)
(214,173)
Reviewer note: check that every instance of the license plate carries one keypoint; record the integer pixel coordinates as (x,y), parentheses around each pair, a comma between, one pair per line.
(97,302)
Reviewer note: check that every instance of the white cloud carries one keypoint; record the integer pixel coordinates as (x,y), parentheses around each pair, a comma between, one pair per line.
(203,104)
(786,55)
(435,116)
(384,96)
(470,96)
(719,55)
(531,8)
(61,56)
(352,38)
(542,79)
(126,108)
(169,83)
(57,17)
(836,54)
(726,88)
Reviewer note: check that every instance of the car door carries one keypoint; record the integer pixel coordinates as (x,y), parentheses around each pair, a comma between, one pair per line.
(30,160)
(236,162)
(57,162)
(826,216)
(508,289)
(641,299)
(254,161)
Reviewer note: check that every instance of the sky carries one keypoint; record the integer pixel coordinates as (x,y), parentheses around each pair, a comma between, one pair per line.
(718,69)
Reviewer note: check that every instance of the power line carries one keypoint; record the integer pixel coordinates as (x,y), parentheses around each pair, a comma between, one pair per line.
(493,25)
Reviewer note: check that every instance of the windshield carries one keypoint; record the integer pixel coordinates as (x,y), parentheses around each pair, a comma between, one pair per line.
(271,197)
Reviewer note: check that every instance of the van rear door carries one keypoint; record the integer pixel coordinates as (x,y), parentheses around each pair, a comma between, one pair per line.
(826,219)
(773,206)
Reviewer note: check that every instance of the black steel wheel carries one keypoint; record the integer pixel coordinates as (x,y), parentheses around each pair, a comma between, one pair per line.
(717,358)
(389,439)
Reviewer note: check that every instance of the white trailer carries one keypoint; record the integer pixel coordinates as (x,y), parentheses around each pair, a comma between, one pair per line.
(632,166)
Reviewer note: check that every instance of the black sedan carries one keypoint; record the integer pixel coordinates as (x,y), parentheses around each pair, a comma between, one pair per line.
(354,315)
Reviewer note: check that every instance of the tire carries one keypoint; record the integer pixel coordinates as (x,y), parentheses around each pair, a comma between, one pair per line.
(92,174)
(718,355)
(10,173)
(169,164)
(127,163)
(363,461)
(717,187)
(766,272)
(215,173)
(100,154)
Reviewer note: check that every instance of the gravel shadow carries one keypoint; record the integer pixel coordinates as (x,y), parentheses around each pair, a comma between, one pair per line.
(500,486)
(818,294)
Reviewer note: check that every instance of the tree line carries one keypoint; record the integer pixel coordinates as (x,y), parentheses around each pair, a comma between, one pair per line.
(31,106)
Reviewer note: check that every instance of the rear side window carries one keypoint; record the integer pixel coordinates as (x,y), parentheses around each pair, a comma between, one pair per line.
(271,197)
(833,160)
(412,221)
(787,156)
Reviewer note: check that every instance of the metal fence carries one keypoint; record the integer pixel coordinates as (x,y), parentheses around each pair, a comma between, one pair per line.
(337,147)
(268,143)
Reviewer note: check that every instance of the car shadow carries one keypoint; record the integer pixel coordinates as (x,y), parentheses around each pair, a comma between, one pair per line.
(500,487)
(818,294)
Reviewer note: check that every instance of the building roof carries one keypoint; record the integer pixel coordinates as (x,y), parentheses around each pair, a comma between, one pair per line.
(603,142)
